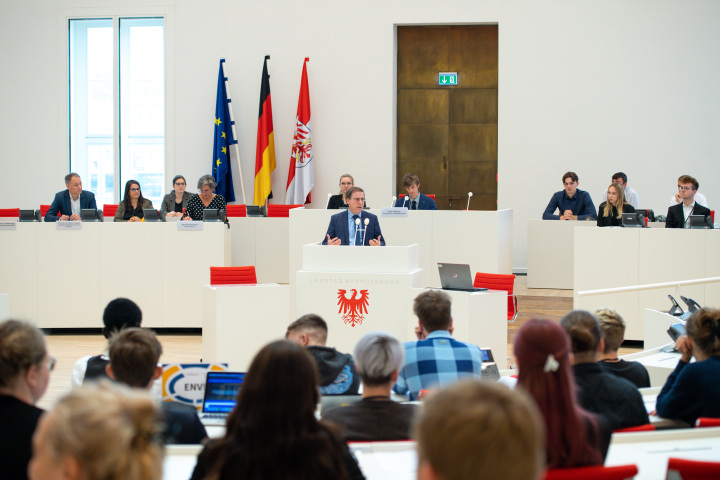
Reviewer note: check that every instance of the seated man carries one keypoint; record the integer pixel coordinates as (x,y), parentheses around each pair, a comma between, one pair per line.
(479,430)
(612,329)
(70,202)
(119,314)
(436,359)
(678,215)
(618,400)
(134,356)
(631,195)
(414,200)
(378,357)
(336,370)
(678,197)
(346,228)
(572,203)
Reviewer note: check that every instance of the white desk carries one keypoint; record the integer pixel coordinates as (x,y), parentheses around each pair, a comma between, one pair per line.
(262,242)
(658,364)
(386,460)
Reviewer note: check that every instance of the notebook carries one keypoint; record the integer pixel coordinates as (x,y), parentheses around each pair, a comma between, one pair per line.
(456,276)
(221,390)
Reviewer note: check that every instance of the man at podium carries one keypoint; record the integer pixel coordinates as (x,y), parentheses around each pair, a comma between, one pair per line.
(354,227)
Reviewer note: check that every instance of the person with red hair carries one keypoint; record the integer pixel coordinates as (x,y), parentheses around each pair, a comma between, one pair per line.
(574,437)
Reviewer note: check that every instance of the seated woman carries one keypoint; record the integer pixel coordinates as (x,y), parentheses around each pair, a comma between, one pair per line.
(574,437)
(273,432)
(24,375)
(175,202)
(378,358)
(338,201)
(96,433)
(610,212)
(133,204)
(693,389)
(205,199)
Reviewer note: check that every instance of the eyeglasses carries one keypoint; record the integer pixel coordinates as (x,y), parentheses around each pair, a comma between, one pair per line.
(684,189)
(51,363)
(346,184)
(180,184)
(357,199)
(134,189)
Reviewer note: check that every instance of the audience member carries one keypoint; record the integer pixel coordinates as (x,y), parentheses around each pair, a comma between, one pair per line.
(631,195)
(337,370)
(134,357)
(71,201)
(436,359)
(678,215)
(175,202)
(414,200)
(610,211)
(272,433)
(131,209)
(475,429)
(572,203)
(612,329)
(99,432)
(339,201)
(205,199)
(354,227)
(573,436)
(693,389)
(24,375)
(376,417)
(617,399)
(678,197)
(119,313)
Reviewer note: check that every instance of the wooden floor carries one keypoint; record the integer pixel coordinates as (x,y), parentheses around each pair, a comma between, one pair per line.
(544,303)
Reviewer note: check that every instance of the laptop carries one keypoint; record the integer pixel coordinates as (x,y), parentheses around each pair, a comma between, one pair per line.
(456,276)
(221,390)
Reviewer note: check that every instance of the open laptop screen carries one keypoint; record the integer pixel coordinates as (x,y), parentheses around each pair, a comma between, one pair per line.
(221,391)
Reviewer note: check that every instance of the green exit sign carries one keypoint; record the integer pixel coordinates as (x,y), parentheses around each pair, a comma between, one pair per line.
(447,78)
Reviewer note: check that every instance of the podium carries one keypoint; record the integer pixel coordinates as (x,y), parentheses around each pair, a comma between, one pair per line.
(357,290)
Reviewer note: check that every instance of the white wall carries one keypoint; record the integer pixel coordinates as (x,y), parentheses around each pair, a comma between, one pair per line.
(585,85)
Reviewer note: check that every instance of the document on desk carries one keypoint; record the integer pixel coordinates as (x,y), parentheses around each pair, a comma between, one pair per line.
(397,465)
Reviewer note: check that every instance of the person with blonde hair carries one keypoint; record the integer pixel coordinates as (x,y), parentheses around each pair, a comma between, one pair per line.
(24,376)
(610,211)
(612,329)
(99,432)
(474,429)
(339,201)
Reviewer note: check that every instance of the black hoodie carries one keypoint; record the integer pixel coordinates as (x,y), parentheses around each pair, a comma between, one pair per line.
(337,371)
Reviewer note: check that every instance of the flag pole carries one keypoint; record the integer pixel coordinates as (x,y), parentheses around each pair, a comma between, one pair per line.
(234,132)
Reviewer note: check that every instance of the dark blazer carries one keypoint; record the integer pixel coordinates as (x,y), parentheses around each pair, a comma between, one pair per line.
(181,424)
(120,212)
(61,204)
(424,202)
(612,220)
(676,218)
(336,202)
(168,203)
(339,228)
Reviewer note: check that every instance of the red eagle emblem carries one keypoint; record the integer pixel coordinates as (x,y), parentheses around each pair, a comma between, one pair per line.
(352,309)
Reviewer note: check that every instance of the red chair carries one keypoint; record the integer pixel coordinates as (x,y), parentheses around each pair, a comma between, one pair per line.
(10,212)
(109,209)
(498,281)
(236,211)
(648,427)
(693,469)
(44,209)
(599,472)
(703,422)
(278,210)
(232,275)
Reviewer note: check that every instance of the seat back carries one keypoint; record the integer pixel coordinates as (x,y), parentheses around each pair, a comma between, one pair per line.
(109,209)
(692,469)
(599,472)
(44,209)
(236,211)
(10,212)
(278,210)
(703,422)
(499,281)
(232,275)
(647,427)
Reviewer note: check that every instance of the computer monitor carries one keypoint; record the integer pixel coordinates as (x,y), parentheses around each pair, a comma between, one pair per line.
(649,214)
(633,220)
(29,216)
(212,215)
(700,221)
(91,215)
(151,215)
(254,211)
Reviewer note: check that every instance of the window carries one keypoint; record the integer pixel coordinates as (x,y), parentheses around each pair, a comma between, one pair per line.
(117,105)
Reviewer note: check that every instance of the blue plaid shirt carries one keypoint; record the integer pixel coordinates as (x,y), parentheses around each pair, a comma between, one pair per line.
(436,361)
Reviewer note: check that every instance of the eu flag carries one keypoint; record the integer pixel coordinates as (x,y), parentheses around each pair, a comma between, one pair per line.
(223,140)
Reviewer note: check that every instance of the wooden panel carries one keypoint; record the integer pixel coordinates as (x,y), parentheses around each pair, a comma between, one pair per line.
(422,141)
(473,53)
(423,106)
(476,143)
(422,53)
(432,173)
(476,177)
(471,105)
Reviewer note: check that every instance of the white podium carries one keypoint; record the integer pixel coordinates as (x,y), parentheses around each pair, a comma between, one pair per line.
(238,320)
(357,290)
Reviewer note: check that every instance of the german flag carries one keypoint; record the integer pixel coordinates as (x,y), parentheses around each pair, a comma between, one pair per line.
(265,151)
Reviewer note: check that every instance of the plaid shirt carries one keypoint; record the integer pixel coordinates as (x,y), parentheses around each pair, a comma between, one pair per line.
(435,361)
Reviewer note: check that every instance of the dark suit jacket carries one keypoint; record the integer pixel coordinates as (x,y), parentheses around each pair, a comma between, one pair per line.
(168,203)
(339,228)
(181,424)
(676,218)
(61,204)
(612,220)
(424,202)
(120,212)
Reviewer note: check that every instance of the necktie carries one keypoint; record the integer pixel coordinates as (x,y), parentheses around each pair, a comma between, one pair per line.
(413,205)
(357,230)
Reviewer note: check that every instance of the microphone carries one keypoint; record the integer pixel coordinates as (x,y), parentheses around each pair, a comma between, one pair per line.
(405,201)
(367,220)
(328,201)
(357,224)
(393,201)
(468,204)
